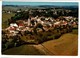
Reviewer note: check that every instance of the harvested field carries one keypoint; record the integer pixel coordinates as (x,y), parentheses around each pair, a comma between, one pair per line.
(67,44)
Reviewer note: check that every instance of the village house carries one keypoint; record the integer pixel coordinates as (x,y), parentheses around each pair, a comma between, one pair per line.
(32,23)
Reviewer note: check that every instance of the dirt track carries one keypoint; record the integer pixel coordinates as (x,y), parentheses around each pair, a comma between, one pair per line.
(67,44)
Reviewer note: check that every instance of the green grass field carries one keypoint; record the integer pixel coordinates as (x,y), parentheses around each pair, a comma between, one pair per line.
(5,17)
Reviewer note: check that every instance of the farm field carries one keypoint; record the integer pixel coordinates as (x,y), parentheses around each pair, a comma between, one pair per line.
(5,17)
(67,44)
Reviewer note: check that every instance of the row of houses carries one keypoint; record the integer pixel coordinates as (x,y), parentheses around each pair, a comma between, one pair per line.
(45,23)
